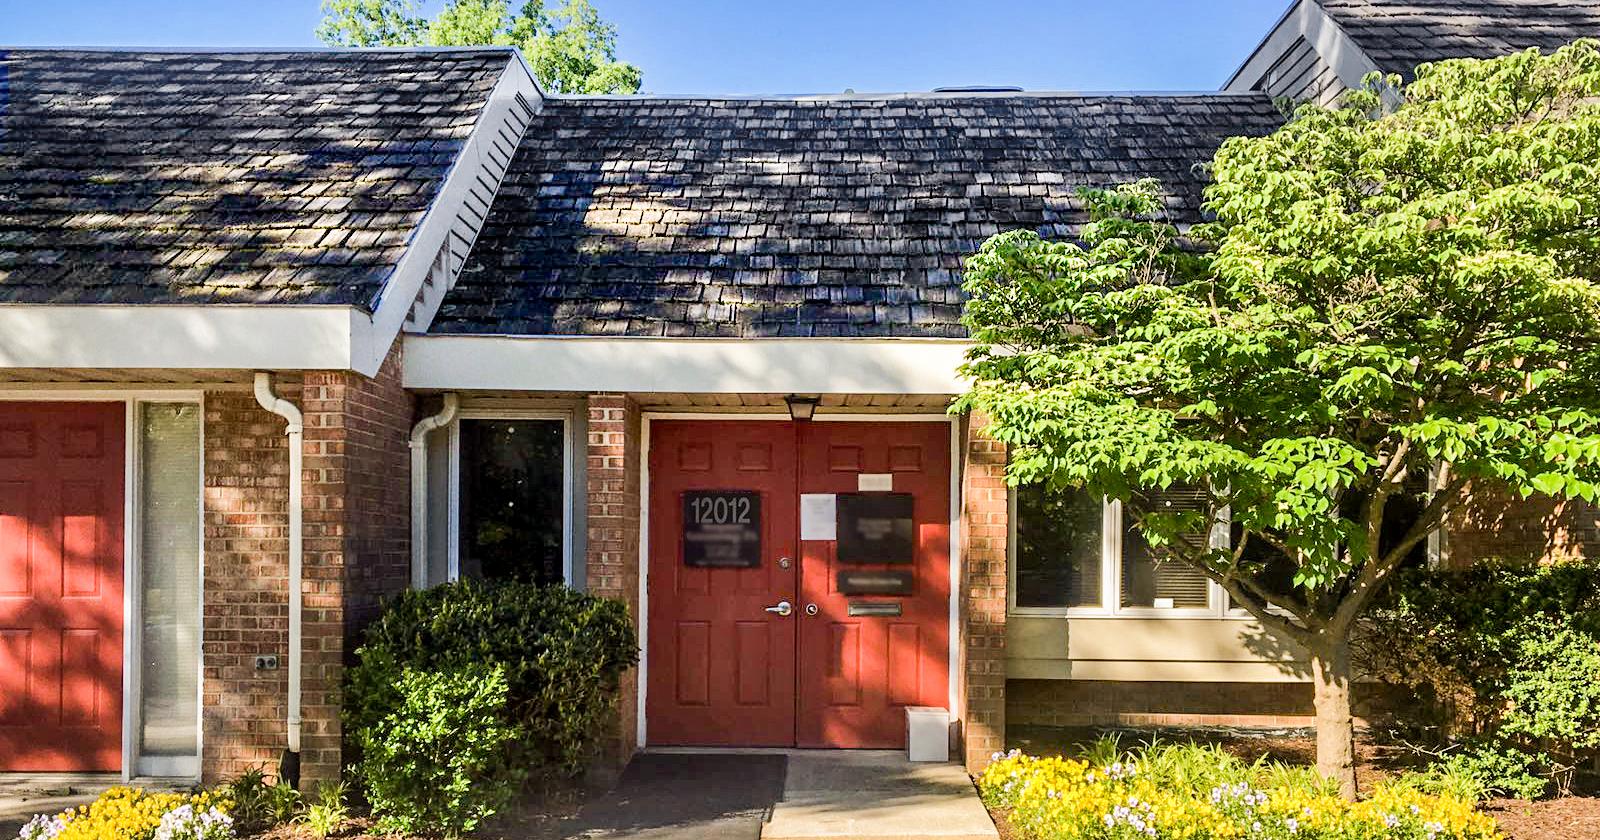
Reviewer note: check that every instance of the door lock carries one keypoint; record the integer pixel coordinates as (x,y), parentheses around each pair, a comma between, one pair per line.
(811,609)
(781,608)
(783,562)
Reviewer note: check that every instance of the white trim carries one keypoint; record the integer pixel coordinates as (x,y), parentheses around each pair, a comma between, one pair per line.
(182,337)
(439,246)
(685,365)
(133,766)
(569,488)
(953,677)
(1306,19)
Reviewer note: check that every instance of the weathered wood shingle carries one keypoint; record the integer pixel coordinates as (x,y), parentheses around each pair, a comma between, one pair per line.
(809,217)
(1400,34)
(223,177)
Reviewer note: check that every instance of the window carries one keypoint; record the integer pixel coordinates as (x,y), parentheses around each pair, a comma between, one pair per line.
(1058,547)
(1152,577)
(512,502)
(1078,554)
(167,737)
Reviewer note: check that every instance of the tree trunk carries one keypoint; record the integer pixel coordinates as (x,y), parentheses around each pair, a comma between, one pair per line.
(1330,677)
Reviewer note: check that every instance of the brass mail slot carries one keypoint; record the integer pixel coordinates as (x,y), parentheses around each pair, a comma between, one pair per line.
(874,608)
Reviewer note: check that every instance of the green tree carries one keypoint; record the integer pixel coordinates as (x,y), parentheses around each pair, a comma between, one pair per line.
(569,48)
(1382,292)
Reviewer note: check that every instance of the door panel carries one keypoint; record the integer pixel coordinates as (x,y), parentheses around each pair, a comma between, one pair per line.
(857,673)
(722,668)
(61,622)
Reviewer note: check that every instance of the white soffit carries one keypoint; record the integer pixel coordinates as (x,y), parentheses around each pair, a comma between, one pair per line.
(684,365)
(249,337)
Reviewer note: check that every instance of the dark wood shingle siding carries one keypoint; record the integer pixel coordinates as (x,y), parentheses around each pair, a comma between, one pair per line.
(812,217)
(266,177)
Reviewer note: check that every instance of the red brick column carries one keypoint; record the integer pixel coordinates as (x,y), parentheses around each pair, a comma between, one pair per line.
(984,532)
(356,551)
(612,563)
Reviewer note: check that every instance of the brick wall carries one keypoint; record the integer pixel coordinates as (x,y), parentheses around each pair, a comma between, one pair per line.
(356,550)
(984,532)
(1498,525)
(1156,704)
(613,455)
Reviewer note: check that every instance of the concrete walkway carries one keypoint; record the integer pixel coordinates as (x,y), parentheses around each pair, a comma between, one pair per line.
(876,795)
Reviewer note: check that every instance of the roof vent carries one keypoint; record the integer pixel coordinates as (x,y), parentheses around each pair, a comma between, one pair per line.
(978,89)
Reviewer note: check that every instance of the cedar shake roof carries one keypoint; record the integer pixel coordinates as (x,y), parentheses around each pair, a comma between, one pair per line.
(224,177)
(1400,34)
(804,217)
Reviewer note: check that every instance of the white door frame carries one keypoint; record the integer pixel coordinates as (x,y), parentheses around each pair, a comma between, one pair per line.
(953,678)
(180,767)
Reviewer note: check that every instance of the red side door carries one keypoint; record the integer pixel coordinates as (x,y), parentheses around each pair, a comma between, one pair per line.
(859,672)
(61,521)
(721,667)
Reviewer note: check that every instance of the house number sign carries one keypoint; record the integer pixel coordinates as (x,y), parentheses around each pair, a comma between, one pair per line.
(722,529)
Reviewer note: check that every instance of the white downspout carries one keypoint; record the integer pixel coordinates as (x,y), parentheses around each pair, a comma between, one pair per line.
(287,410)
(419,487)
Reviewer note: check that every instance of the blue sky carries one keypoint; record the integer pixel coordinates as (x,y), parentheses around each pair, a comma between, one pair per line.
(767,46)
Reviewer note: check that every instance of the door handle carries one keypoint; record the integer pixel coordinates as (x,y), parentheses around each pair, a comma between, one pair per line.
(781,608)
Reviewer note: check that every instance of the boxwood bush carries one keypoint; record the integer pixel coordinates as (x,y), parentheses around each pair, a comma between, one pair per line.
(463,693)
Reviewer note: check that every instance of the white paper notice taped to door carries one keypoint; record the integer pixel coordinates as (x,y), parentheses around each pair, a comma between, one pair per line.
(875,482)
(818,516)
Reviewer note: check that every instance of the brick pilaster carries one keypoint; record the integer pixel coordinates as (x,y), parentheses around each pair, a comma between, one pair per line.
(612,564)
(984,531)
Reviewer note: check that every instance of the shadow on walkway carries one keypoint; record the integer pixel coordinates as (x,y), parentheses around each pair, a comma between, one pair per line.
(681,797)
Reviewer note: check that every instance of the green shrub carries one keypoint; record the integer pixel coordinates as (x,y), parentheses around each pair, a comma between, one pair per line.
(1505,661)
(463,692)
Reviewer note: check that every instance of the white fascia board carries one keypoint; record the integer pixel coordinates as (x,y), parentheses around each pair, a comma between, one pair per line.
(1306,19)
(214,336)
(685,365)
(439,246)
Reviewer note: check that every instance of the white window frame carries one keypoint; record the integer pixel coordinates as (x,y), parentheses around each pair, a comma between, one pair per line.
(1111,532)
(569,477)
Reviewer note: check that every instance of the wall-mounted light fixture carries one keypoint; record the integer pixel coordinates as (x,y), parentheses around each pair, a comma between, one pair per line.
(801,408)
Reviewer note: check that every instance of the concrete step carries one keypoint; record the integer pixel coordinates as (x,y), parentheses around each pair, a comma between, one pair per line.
(876,795)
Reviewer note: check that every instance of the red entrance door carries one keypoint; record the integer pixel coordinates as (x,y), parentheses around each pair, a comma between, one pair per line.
(859,672)
(61,503)
(723,668)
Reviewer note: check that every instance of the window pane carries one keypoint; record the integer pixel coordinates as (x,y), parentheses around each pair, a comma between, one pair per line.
(511,499)
(1058,547)
(1151,577)
(169,579)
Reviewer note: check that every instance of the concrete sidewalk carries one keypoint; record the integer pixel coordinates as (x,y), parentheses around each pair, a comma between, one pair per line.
(876,795)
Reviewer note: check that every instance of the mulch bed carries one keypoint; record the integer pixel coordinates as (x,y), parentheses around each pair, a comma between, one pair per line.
(1567,818)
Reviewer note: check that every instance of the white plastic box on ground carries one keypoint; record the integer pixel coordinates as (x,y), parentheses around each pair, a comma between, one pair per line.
(927,733)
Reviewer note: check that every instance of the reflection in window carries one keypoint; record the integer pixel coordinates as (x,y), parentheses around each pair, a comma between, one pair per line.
(511,500)
(1152,576)
(1058,547)
(169,579)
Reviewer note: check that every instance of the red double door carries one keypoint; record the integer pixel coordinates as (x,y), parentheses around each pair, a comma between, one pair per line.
(728,665)
(61,521)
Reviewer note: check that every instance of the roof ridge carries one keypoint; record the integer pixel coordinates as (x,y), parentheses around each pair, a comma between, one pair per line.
(907,96)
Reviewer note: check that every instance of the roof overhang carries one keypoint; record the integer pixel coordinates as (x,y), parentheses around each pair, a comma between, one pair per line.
(685,365)
(1305,19)
(188,337)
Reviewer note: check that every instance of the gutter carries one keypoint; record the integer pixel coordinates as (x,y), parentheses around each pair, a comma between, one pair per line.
(289,763)
(419,487)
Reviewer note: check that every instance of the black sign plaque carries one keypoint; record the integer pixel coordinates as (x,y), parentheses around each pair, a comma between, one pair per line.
(722,529)
(876,528)
(874,582)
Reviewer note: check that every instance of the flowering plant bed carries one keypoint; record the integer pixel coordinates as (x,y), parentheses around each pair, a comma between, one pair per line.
(127,813)
(1190,792)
